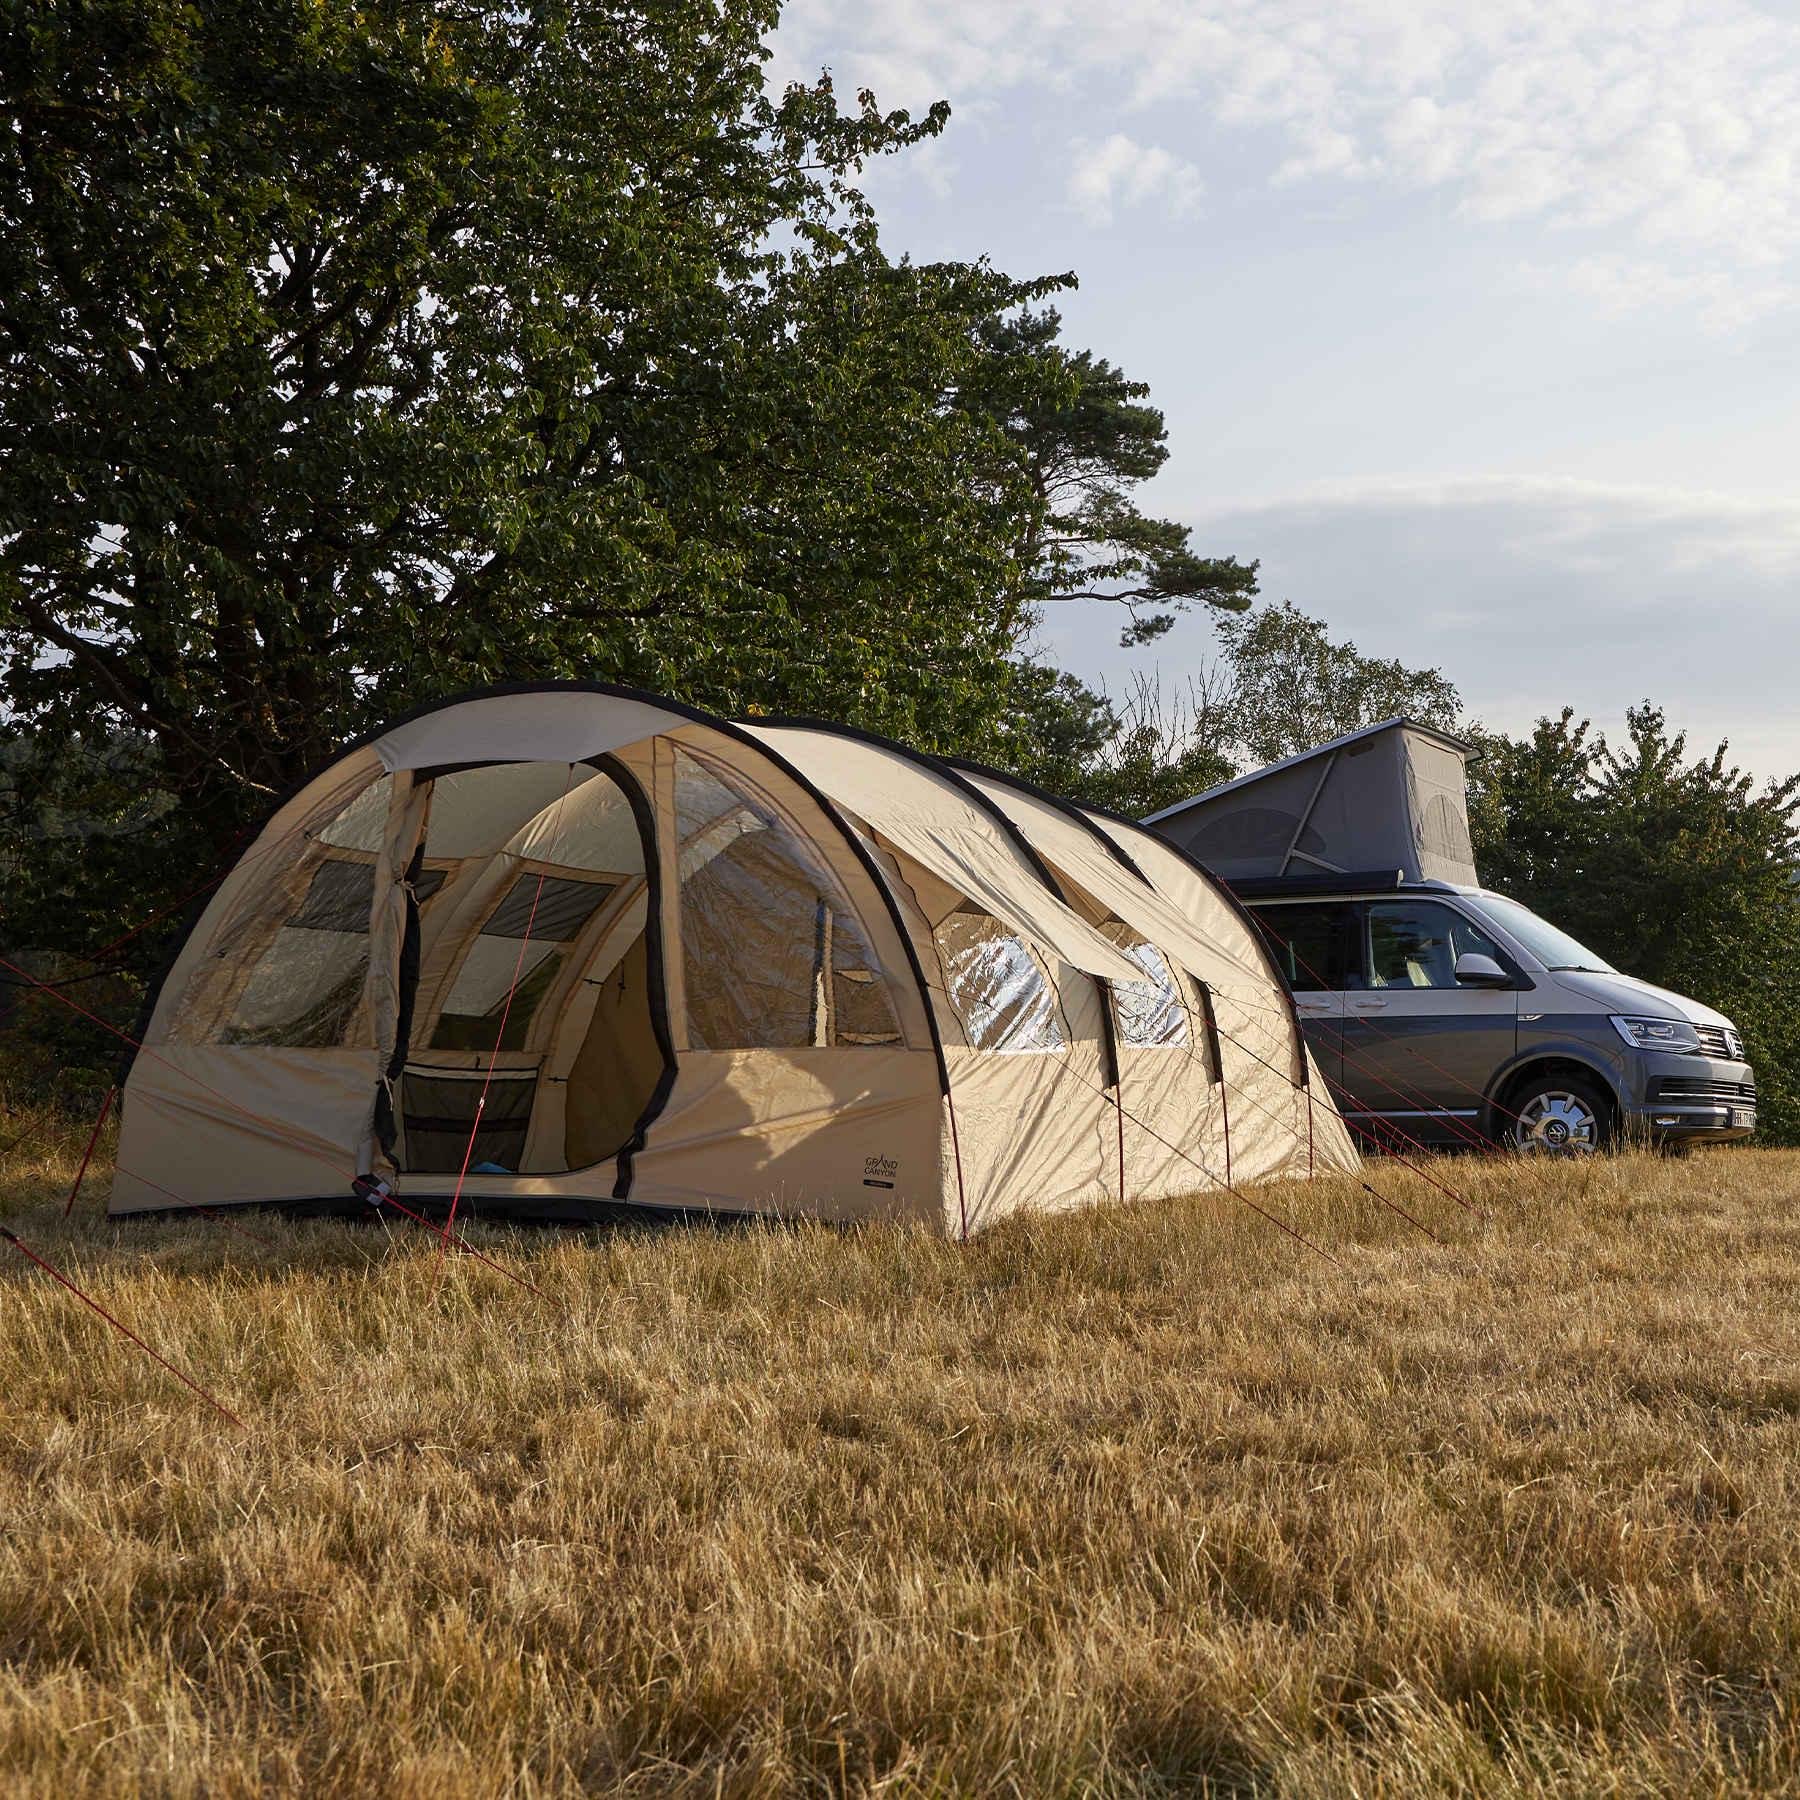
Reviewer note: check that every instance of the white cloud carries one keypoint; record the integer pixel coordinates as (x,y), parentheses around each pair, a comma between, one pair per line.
(1719,295)
(1660,135)
(1119,172)
(1530,594)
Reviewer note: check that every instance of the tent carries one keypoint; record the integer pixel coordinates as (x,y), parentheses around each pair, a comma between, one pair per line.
(558,949)
(1390,797)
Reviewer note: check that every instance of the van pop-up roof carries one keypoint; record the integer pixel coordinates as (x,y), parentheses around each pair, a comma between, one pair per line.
(1391,796)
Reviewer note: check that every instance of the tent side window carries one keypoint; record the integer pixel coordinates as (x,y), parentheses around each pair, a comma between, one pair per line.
(289,967)
(1152,1013)
(995,986)
(773,954)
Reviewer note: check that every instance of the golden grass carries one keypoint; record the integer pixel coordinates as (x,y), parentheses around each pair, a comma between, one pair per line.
(1147,1501)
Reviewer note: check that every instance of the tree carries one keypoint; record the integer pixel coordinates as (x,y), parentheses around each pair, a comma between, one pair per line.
(1086,438)
(354,355)
(1680,871)
(71,838)
(1293,688)
(1280,685)
(1134,757)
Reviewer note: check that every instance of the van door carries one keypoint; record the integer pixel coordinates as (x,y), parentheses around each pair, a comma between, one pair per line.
(1420,1050)
(1312,941)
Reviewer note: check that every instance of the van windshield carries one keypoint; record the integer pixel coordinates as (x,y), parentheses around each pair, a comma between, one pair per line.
(1554,949)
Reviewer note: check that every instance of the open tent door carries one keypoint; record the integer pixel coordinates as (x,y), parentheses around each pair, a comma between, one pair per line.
(537,963)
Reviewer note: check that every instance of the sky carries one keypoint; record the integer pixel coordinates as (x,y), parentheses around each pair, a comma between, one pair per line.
(1476,322)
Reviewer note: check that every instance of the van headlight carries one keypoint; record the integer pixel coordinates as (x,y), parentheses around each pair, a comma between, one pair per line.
(1657,1034)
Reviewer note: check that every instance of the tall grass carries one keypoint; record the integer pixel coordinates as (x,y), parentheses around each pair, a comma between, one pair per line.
(1145,1501)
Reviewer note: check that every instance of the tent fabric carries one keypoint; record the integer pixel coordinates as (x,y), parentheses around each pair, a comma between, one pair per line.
(1392,797)
(1076,848)
(920,811)
(605,950)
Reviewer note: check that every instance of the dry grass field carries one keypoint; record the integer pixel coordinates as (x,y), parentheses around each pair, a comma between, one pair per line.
(1143,1502)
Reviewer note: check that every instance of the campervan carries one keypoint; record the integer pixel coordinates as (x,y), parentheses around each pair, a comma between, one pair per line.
(1441,1012)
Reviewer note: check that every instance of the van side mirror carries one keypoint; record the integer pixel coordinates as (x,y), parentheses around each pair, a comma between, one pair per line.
(1475,968)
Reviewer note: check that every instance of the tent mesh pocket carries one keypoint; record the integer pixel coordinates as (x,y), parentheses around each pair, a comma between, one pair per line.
(439,1109)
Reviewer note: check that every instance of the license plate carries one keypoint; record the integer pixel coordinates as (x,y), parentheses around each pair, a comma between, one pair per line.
(1742,1118)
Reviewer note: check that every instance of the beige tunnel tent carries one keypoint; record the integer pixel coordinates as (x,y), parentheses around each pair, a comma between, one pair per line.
(568,948)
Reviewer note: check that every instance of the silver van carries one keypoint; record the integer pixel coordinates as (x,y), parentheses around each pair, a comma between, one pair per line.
(1447,1014)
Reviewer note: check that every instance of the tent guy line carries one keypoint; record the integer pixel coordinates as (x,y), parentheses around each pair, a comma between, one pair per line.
(118,1325)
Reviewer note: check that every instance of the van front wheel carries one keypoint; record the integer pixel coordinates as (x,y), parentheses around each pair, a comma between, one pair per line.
(1559,1115)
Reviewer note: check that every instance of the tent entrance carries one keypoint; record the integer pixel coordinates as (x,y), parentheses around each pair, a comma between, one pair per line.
(539,976)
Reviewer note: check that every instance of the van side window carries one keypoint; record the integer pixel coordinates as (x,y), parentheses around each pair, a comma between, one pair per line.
(1309,943)
(1415,943)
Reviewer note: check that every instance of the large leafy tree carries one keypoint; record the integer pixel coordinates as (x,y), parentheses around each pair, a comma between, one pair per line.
(352,355)
(1087,436)
(1674,867)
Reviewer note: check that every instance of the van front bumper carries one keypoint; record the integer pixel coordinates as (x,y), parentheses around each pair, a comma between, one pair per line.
(1694,1097)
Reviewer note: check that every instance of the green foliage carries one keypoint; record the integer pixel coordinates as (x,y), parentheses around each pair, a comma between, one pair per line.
(72,831)
(1676,870)
(1086,439)
(1292,687)
(1132,757)
(1280,685)
(358,355)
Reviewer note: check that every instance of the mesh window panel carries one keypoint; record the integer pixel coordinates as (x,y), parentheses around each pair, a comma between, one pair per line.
(440,1110)
(996,987)
(561,909)
(773,955)
(1151,1012)
(471,1018)
(305,988)
(340,898)
(304,991)
(289,965)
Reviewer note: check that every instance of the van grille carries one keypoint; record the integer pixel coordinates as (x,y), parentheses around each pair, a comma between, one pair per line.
(1720,1041)
(1699,1087)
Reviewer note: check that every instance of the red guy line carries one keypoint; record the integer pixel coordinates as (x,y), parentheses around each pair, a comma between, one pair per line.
(56,1274)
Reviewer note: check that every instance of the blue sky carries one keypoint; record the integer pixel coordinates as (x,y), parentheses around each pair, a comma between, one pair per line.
(1478,323)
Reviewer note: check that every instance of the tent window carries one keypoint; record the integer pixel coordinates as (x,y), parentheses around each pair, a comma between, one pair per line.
(339,899)
(774,956)
(1151,1013)
(555,914)
(995,985)
(502,954)
(305,988)
(471,1017)
(304,992)
(439,1111)
(289,966)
